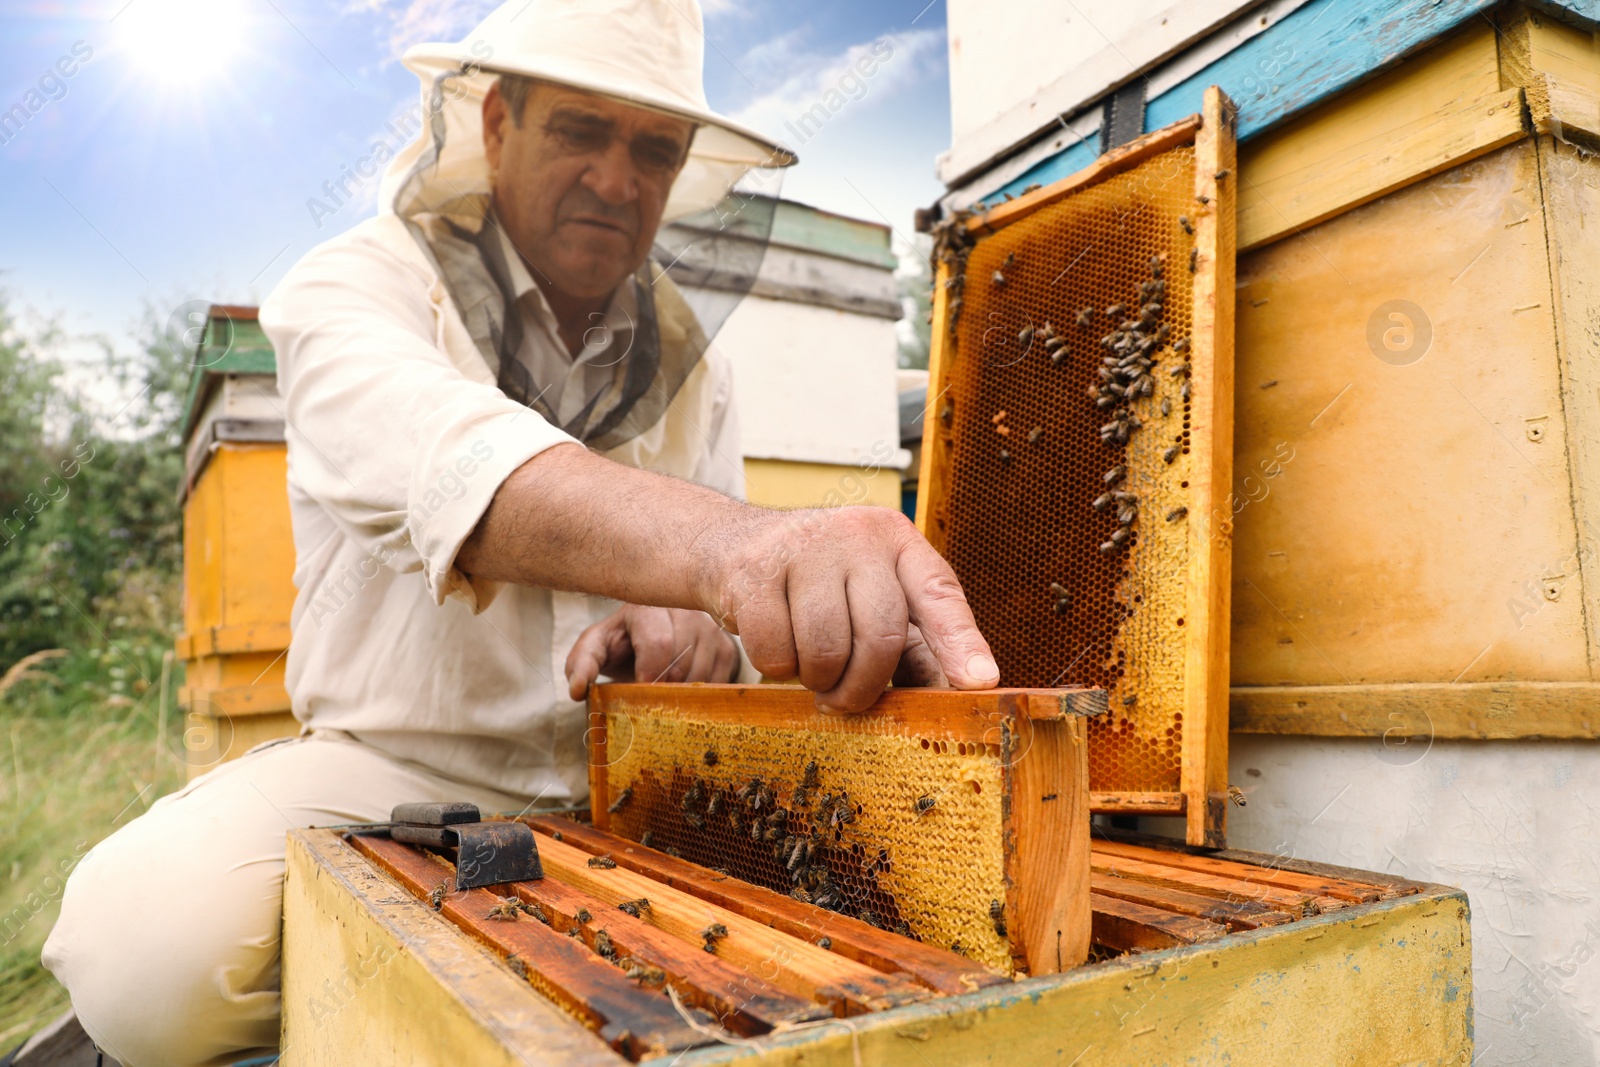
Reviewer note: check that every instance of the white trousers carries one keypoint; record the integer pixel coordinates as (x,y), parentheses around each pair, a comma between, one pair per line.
(170,928)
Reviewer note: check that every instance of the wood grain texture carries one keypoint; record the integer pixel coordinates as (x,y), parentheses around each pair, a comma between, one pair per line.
(372,975)
(801,968)
(1046,842)
(1228,887)
(1119,159)
(1127,926)
(1439,108)
(1233,914)
(1558,68)
(637,1022)
(740,1001)
(933,476)
(1204,769)
(1137,803)
(1341,888)
(1418,714)
(1354,471)
(972,716)
(1570,182)
(934,967)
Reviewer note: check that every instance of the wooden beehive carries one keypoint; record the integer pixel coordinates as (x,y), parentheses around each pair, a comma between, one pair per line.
(1079,443)
(957,818)
(384,963)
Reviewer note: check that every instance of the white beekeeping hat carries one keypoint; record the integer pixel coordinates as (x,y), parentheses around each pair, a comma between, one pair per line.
(648,53)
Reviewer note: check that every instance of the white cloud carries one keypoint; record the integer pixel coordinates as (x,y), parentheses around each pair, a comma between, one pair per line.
(828,80)
(415,21)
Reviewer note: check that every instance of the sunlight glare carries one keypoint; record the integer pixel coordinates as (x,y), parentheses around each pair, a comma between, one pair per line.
(183,42)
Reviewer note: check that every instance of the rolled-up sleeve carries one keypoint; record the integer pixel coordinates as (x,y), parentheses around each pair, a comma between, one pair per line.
(400,445)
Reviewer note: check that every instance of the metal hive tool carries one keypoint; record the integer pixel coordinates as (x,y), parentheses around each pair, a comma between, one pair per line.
(1079,452)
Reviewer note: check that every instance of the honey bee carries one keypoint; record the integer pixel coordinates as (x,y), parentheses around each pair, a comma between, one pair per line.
(801,854)
(718,803)
(764,797)
(1269,383)
(695,819)
(1126,516)
(1202,198)
(1177,513)
(603,863)
(634,907)
(1085,317)
(826,942)
(812,777)
(603,945)
(1221,174)
(1102,501)
(1119,535)
(1114,475)
(1188,227)
(711,935)
(870,917)
(924,805)
(1025,337)
(557,836)
(509,909)
(800,894)
(1114,311)
(647,975)
(1236,795)
(1194,260)
(710,757)
(1005,457)
(902,928)
(1171,454)
(582,915)
(802,796)
(1166,405)
(997,916)
(518,968)
(1155,266)
(748,791)
(1184,392)
(1010,260)
(621,801)
(947,412)
(1034,435)
(998,279)
(1105,401)
(647,839)
(436,898)
(1107,547)
(1130,700)
(529,909)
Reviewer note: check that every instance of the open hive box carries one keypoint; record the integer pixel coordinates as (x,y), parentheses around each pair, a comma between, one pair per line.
(1078,439)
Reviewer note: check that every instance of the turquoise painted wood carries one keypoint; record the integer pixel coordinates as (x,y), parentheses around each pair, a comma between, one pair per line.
(1321,49)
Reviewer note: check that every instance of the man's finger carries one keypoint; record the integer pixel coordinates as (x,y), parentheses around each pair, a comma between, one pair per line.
(918,667)
(650,630)
(878,624)
(589,654)
(819,612)
(703,660)
(938,607)
(763,621)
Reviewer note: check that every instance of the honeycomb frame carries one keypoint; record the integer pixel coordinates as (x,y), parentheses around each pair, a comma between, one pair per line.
(1016,491)
(959,819)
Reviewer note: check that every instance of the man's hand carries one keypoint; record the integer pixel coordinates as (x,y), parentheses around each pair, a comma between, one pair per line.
(835,597)
(846,599)
(652,645)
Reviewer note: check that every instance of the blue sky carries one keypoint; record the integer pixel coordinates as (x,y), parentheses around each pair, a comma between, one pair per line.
(176,160)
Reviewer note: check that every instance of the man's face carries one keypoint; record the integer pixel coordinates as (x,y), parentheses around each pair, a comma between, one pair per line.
(581,182)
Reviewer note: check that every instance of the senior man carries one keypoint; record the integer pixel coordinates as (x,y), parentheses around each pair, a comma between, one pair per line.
(507,436)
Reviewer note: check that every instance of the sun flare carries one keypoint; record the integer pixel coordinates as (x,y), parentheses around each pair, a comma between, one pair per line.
(183,42)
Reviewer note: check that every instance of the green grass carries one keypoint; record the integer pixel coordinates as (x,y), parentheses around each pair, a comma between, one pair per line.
(79,757)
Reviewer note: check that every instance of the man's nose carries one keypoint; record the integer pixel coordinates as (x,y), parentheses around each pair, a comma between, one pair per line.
(612,175)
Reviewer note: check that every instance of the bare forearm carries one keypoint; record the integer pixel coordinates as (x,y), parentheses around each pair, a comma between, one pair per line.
(572,520)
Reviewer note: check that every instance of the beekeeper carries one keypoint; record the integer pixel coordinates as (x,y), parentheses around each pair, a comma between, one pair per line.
(514,466)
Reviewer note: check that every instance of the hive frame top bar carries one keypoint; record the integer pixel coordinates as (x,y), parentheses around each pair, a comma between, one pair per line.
(954,713)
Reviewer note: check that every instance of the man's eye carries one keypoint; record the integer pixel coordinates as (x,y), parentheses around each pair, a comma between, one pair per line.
(652,155)
(582,137)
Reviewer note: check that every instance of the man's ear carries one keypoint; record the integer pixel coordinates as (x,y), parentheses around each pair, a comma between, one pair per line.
(495,114)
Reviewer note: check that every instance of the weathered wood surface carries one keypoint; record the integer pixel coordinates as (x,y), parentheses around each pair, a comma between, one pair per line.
(1046,842)
(934,967)
(1208,582)
(789,963)
(372,975)
(1235,915)
(1227,887)
(1342,889)
(638,1022)
(1418,713)
(1128,926)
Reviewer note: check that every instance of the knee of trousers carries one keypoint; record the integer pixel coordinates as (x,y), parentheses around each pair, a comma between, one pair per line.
(168,942)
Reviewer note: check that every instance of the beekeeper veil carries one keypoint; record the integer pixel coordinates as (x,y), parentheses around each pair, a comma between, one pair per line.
(715,227)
